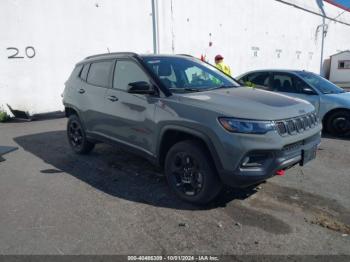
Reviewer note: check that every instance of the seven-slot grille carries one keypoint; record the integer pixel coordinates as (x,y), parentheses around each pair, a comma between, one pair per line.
(296,125)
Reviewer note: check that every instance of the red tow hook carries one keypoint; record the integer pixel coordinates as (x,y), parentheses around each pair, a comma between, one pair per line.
(280,172)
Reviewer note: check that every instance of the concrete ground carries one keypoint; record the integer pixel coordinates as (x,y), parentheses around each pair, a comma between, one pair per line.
(112,202)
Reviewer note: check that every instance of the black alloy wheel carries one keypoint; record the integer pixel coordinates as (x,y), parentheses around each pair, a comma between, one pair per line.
(191,173)
(77,137)
(186,174)
(338,123)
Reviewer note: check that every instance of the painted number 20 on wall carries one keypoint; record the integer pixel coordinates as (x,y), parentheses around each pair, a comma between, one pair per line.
(14,52)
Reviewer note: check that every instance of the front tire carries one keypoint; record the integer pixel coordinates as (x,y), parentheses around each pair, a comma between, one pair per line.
(77,136)
(191,174)
(338,123)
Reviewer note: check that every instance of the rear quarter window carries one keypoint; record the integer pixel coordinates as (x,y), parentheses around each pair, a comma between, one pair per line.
(84,72)
(75,73)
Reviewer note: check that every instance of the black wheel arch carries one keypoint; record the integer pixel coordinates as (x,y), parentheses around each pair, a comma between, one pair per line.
(170,135)
(71,110)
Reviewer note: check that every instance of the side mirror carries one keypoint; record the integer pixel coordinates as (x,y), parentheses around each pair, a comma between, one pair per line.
(141,87)
(308,91)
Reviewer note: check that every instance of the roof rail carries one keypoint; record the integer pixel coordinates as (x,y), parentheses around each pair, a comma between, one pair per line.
(115,53)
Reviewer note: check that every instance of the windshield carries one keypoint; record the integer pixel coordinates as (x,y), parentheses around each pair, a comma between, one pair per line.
(321,84)
(182,75)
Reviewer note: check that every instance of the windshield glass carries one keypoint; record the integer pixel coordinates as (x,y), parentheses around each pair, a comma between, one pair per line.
(181,74)
(321,84)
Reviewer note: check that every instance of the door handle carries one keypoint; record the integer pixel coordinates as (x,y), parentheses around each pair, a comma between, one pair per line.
(81,91)
(112,98)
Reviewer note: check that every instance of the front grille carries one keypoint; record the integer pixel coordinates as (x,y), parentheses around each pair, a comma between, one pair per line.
(296,125)
(291,126)
(299,124)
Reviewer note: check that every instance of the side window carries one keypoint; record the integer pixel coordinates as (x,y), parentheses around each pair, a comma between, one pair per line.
(99,73)
(282,82)
(243,79)
(84,72)
(259,80)
(127,72)
(300,84)
(166,74)
(75,72)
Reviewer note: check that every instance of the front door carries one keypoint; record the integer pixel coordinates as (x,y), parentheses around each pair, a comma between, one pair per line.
(291,85)
(129,117)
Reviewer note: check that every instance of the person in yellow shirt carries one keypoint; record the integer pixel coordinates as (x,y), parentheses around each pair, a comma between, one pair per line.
(219,63)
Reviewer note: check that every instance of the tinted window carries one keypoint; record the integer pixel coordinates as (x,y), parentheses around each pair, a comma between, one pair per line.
(282,82)
(75,72)
(259,80)
(301,84)
(99,73)
(127,72)
(180,74)
(84,72)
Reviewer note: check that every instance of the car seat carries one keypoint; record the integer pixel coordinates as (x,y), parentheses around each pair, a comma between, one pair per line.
(277,85)
(287,87)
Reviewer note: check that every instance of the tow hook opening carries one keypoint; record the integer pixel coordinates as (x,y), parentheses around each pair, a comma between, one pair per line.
(281,172)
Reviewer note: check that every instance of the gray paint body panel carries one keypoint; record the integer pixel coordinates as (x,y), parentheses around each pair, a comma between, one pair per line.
(140,121)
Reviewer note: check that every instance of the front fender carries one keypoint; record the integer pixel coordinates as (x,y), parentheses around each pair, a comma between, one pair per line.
(193,131)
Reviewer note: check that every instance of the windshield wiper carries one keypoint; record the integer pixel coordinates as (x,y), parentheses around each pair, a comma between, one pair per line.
(185,89)
(219,87)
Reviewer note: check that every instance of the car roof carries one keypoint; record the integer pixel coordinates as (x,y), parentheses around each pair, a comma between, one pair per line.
(127,55)
(276,70)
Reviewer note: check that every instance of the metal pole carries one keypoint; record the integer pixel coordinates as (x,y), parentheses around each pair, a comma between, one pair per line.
(322,45)
(155,26)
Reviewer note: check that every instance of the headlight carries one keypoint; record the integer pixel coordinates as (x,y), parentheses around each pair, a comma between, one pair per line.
(246,126)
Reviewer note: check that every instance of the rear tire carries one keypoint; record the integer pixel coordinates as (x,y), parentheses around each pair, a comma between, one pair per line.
(77,136)
(191,174)
(338,123)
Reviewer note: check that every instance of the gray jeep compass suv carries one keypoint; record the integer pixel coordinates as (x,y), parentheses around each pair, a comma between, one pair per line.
(197,123)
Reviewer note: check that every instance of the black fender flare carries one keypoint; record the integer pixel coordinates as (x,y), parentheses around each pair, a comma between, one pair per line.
(193,132)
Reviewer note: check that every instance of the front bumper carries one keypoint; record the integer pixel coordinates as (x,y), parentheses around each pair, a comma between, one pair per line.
(275,160)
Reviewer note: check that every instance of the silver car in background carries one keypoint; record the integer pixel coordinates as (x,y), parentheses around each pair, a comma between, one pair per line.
(332,103)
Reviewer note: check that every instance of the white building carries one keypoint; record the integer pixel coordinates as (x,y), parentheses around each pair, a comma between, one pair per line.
(340,69)
(41,40)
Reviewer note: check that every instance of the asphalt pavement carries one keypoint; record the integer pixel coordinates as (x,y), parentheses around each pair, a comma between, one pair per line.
(53,201)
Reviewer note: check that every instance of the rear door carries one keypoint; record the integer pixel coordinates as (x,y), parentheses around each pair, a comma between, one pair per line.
(97,78)
(291,85)
(129,117)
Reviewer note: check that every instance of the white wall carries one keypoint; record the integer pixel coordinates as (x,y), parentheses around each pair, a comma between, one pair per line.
(64,32)
(240,25)
(340,75)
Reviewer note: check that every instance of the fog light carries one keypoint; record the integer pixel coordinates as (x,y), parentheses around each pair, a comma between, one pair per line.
(254,160)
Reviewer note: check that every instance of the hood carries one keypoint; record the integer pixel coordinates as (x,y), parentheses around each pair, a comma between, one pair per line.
(341,98)
(249,103)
